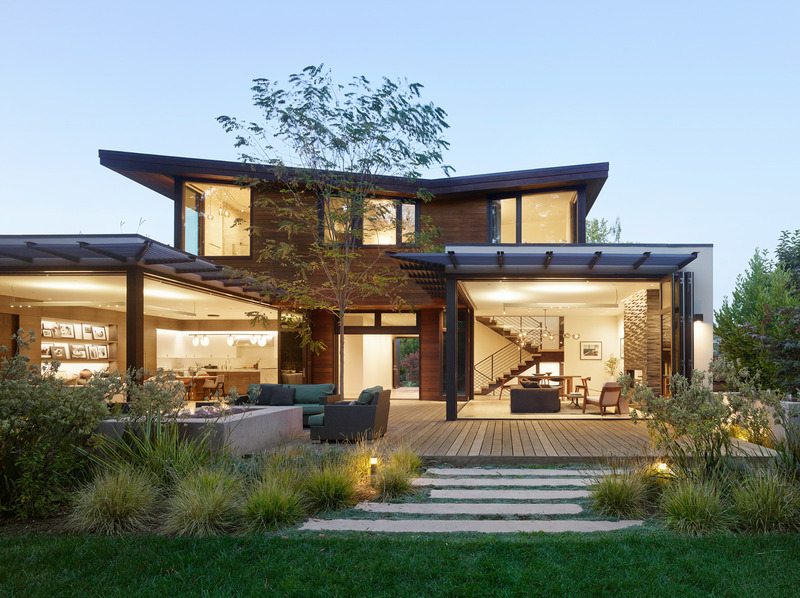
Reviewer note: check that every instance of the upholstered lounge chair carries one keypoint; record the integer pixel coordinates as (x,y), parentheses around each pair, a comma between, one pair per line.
(349,420)
(609,397)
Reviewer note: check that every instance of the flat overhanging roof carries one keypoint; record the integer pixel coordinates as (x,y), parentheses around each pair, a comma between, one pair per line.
(42,252)
(429,270)
(159,173)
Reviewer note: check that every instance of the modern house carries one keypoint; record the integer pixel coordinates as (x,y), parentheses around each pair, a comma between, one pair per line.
(517,288)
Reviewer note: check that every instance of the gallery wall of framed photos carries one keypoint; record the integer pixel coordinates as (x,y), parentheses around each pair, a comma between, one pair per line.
(68,340)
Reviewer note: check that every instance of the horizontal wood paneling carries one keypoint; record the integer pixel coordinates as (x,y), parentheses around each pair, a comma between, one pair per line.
(430,355)
(462,219)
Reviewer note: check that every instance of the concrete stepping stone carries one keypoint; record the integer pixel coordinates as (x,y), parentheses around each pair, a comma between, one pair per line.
(454,508)
(464,525)
(477,471)
(468,494)
(523,482)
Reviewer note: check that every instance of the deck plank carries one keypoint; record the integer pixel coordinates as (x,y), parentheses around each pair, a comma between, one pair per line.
(422,426)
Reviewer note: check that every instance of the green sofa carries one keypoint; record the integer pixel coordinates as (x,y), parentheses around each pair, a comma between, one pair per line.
(311,397)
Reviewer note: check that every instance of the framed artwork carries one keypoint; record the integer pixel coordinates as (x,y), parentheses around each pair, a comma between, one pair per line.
(102,352)
(92,351)
(87,331)
(77,351)
(591,350)
(47,332)
(59,352)
(99,333)
(46,351)
(622,348)
(67,330)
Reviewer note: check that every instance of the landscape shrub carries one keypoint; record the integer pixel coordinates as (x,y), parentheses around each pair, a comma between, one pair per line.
(692,425)
(765,501)
(695,507)
(204,503)
(42,424)
(116,502)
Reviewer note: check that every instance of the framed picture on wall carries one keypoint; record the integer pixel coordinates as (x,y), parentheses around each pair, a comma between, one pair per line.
(102,352)
(87,331)
(46,351)
(78,351)
(591,350)
(92,351)
(622,348)
(67,330)
(59,352)
(99,333)
(47,332)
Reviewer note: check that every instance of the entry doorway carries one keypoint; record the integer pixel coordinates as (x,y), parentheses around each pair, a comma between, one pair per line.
(405,367)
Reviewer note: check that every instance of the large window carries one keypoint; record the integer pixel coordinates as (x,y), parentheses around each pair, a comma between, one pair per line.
(216,219)
(534,218)
(383,222)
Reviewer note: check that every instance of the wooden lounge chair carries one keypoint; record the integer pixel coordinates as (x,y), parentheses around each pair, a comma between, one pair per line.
(609,397)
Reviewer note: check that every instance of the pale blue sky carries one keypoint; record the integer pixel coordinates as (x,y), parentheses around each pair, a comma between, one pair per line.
(694,104)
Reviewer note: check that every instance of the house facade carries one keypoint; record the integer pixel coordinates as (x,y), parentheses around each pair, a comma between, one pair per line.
(517,288)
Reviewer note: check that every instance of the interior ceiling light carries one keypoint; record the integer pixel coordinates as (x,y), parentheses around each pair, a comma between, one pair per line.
(195,340)
(230,340)
(253,339)
(262,341)
(205,341)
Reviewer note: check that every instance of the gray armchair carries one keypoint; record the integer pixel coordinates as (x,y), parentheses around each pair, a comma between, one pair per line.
(348,421)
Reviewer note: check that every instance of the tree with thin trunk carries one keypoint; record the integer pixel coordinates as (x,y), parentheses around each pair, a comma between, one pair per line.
(320,156)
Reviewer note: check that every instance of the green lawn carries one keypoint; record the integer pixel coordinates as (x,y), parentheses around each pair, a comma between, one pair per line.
(648,562)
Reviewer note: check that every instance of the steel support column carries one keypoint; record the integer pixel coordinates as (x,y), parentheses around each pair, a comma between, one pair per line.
(451,343)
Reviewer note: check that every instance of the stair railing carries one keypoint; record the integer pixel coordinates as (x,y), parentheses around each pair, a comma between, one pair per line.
(488,370)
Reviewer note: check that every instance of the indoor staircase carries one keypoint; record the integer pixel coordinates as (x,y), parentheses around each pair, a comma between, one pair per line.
(523,336)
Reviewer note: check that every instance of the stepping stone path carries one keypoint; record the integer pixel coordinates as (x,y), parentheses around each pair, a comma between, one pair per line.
(473,484)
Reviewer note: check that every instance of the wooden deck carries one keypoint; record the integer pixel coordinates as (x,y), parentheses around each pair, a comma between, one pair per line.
(422,425)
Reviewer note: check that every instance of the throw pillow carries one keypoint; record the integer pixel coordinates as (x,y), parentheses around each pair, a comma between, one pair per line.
(365,398)
(529,383)
(282,397)
(265,396)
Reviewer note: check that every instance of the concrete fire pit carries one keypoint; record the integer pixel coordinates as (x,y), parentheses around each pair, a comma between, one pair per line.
(245,433)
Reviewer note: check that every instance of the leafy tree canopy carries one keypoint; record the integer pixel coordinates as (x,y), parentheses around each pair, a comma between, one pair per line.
(601,231)
(759,326)
(321,154)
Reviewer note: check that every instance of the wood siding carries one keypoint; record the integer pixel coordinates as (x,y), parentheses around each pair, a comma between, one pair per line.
(430,355)
(321,368)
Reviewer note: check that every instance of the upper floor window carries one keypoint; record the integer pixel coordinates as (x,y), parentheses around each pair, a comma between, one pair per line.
(380,222)
(534,218)
(216,219)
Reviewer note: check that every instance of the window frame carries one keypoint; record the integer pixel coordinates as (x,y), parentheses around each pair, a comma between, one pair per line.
(180,215)
(358,223)
(578,213)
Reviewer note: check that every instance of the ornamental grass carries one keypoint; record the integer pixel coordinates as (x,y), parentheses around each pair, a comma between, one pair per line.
(272,504)
(766,502)
(695,507)
(117,502)
(204,503)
